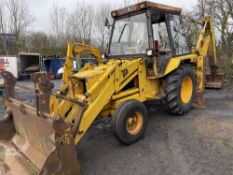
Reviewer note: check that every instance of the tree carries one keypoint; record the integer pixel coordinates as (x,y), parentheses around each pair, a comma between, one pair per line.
(3,48)
(19,17)
(102,34)
(2,21)
(83,21)
(58,19)
(58,27)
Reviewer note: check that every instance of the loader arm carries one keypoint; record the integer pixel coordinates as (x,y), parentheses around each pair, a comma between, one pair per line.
(48,133)
(88,93)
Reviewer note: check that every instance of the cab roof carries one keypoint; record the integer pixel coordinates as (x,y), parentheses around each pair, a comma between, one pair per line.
(143,6)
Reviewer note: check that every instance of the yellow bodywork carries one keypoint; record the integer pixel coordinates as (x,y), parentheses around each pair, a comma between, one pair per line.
(103,87)
(47,135)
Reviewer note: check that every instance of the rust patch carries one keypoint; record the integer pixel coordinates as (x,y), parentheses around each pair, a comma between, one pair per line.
(200,100)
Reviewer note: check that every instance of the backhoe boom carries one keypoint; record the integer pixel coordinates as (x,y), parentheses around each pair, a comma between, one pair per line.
(206,48)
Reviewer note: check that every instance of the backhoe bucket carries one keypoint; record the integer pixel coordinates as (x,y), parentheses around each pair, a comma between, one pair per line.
(43,142)
(214,79)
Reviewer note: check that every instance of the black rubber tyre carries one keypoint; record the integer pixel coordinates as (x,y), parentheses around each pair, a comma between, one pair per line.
(172,85)
(124,113)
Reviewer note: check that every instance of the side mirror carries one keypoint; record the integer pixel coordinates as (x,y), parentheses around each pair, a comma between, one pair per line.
(106,23)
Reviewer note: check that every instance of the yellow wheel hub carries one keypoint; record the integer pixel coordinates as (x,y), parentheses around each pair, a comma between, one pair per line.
(134,123)
(186,89)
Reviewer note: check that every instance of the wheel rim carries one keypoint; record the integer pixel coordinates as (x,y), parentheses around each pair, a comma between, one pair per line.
(186,89)
(134,123)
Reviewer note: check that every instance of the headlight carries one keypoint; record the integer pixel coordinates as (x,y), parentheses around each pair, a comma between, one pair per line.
(114,14)
(149,52)
(103,56)
(142,5)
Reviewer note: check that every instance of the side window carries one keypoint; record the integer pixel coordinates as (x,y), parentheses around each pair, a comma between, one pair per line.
(161,37)
(178,35)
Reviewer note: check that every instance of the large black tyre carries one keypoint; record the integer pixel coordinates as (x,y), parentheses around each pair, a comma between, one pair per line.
(180,89)
(130,121)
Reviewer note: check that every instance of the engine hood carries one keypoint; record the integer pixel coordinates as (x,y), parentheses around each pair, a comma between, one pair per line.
(90,71)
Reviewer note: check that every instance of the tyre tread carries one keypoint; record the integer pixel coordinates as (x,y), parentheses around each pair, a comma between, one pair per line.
(171,85)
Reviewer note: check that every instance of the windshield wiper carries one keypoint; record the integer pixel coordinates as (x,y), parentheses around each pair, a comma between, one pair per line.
(122,32)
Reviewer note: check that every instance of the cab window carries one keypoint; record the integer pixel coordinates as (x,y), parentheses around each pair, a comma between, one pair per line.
(178,35)
(161,38)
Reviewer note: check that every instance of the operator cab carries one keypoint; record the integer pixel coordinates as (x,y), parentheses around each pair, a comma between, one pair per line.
(149,30)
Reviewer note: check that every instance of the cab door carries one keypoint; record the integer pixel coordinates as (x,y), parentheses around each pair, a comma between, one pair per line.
(162,41)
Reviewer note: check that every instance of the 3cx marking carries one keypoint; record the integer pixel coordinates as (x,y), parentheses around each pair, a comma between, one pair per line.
(125,72)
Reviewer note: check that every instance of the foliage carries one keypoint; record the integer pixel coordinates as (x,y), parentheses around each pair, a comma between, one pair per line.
(222,12)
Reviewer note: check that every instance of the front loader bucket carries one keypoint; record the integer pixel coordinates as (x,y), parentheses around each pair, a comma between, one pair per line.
(44,141)
(214,79)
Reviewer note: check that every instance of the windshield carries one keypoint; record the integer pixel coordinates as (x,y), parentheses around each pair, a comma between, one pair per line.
(129,36)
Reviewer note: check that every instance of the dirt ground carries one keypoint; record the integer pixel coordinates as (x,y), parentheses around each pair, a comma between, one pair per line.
(199,143)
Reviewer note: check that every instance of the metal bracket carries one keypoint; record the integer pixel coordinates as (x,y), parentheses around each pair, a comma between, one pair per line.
(43,90)
(77,120)
(10,82)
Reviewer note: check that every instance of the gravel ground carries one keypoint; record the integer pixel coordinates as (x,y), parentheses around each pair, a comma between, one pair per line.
(200,142)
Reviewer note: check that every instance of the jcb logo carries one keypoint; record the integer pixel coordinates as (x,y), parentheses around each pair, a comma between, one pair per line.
(124,72)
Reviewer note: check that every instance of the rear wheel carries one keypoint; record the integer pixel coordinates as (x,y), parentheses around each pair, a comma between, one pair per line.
(179,87)
(130,121)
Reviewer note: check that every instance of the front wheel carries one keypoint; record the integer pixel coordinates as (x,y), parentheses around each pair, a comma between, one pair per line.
(130,121)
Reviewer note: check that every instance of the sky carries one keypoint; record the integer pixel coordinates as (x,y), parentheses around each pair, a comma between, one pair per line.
(40,8)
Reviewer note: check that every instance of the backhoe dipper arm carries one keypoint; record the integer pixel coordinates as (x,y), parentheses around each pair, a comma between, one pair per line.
(205,47)
(206,42)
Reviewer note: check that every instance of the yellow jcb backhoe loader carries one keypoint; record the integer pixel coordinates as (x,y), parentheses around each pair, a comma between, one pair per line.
(147,59)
